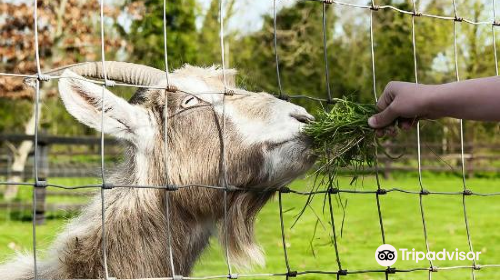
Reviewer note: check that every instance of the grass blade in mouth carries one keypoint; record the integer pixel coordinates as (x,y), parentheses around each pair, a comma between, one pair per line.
(342,137)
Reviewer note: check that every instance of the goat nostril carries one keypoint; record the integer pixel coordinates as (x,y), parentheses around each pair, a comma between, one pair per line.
(302,118)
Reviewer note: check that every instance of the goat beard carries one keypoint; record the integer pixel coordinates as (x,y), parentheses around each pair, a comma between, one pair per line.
(236,233)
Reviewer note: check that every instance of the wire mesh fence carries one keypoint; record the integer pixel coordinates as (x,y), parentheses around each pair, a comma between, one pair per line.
(288,271)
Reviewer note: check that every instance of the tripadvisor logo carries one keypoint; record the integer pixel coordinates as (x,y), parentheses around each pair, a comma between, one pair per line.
(387,255)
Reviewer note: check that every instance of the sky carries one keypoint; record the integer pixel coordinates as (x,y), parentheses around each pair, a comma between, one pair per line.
(248,15)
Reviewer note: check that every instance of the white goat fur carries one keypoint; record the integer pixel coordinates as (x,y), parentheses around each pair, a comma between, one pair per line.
(264,149)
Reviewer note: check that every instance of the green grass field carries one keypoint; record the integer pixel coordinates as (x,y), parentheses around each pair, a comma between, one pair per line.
(309,241)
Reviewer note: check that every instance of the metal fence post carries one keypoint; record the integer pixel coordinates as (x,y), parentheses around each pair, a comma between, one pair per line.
(43,173)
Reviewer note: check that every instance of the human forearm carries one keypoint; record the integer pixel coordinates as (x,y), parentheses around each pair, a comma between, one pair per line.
(476,99)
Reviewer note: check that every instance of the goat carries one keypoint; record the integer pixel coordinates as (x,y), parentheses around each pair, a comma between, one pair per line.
(264,150)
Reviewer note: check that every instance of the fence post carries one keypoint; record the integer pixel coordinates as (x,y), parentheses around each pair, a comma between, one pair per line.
(9,163)
(387,168)
(43,174)
(387,160)
(470,166)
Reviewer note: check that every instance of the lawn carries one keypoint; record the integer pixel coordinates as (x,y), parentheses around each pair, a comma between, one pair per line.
(309,241)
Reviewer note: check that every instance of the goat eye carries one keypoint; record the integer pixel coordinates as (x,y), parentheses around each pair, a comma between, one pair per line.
(189,101)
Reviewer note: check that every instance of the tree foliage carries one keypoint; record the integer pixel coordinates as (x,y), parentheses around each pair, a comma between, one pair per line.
(146,33)
(67,33)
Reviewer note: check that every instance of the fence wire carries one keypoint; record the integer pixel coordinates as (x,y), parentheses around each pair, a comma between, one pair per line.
(40,77)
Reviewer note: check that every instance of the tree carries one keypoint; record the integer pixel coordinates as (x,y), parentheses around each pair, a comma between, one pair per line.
(146,34)
(209,35)
(300,49)
(185,43)
(67,34)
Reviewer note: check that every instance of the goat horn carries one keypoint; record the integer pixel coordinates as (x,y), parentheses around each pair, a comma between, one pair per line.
(129,73)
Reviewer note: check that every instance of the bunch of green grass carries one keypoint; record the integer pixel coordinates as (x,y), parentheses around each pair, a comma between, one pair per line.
(342,137)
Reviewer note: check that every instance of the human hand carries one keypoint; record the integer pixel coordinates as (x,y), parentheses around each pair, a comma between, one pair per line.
(404,102)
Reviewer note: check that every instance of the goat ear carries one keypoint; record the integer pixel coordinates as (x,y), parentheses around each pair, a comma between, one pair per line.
(84,101)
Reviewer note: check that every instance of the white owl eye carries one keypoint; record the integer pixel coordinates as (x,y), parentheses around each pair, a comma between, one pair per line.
(189,101)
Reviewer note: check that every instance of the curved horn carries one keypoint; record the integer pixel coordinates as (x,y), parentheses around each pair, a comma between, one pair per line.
(129,73)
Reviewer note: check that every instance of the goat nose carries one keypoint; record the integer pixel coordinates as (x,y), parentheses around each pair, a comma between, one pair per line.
(301,117)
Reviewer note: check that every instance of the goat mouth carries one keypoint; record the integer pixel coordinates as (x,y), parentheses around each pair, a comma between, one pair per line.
(302,139)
